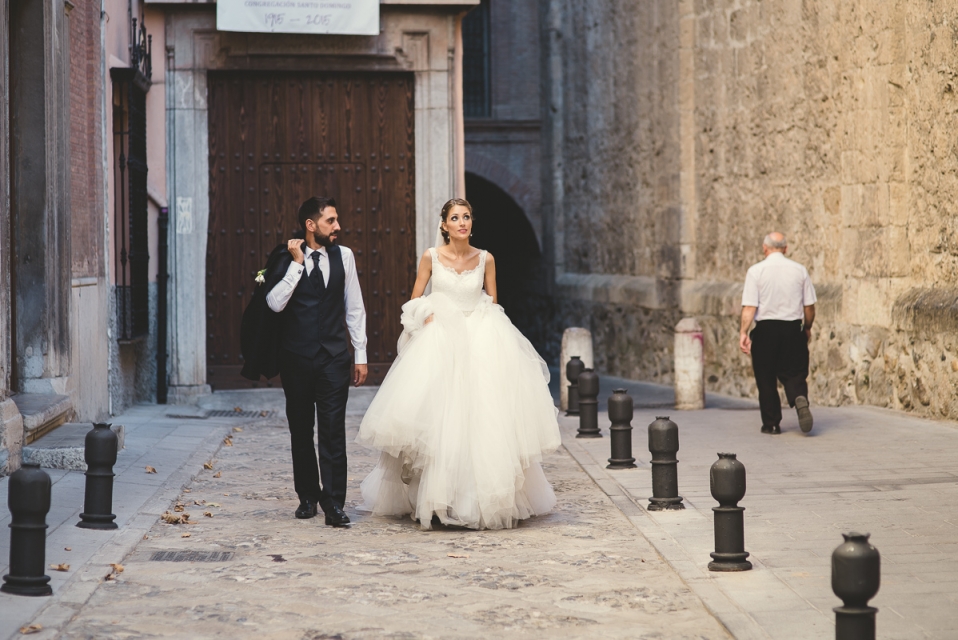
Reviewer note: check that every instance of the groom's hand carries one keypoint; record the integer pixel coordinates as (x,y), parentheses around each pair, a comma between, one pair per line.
(359,374)
(295,247)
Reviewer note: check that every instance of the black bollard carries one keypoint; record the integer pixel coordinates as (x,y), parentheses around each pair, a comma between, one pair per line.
(663,445)
(727,480)
(856,576)
(588,405)
(100,453)
(29,500)
(573,368)
(620,433)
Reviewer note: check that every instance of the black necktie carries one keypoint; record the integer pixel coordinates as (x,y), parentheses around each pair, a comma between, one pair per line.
(316,276)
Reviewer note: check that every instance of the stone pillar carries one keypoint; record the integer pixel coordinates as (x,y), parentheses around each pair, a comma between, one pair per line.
(575,342)
(689,365)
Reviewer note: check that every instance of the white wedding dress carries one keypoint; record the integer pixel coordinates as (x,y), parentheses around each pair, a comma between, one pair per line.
(464,414)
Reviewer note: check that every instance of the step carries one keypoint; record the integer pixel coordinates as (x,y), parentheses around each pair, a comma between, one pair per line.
(63,448)
(42,413)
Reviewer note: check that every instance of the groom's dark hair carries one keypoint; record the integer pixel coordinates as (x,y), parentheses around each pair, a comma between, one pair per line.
(310,209)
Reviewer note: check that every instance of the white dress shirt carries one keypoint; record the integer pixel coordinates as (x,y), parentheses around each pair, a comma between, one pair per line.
(278,298)
(779,287)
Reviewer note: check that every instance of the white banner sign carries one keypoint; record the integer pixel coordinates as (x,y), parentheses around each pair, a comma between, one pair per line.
(349,17)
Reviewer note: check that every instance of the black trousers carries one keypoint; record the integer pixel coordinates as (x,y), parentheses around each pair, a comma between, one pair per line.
(779,353)
(316,392)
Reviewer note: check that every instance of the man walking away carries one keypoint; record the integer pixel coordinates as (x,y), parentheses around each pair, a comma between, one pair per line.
(780,298)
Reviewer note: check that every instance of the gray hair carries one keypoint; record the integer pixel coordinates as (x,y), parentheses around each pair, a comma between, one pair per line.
(775,243)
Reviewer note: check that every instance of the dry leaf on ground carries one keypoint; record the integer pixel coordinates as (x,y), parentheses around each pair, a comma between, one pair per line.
(208,464)
(218,474)
(199,503)
(179,507)
(228,441)
(33,628)
(117,568)
(172,518)
(186,535)
(277,557)
(237,429)
(187,491)
(238,409)
(68,548)
(150,469)
(212,504)
(457,555)
(60,567)
(207,514)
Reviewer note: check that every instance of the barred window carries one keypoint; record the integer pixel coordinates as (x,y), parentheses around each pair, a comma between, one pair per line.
(130,233)
(475,63)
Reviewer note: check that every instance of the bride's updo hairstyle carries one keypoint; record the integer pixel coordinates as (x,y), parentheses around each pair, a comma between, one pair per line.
(445,213)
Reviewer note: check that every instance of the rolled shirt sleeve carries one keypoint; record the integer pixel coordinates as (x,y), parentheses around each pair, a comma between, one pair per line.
(355,309)
(750,292)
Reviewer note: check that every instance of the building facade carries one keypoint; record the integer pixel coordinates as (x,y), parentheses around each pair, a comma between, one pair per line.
(149,163)
(677,134)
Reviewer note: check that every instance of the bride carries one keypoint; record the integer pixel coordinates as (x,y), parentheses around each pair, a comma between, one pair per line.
(464,414)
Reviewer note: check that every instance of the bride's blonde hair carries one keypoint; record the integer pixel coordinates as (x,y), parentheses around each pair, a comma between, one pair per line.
(445,212)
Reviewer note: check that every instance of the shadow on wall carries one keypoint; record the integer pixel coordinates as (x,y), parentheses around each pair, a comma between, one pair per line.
(503,229)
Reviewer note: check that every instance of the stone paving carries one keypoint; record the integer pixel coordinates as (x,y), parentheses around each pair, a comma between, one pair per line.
(861,469)
(583,571)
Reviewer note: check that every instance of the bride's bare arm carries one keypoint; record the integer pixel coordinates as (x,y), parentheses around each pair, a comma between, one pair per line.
(490,282)
(422,278)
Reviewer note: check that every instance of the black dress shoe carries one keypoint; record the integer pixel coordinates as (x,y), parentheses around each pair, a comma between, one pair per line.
(335,517)
(306,510)
(773,429)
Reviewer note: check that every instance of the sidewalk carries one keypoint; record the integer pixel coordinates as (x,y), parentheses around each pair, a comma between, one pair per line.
(860,469)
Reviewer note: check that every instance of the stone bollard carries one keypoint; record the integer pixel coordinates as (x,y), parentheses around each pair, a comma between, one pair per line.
(588,405)
(574,340)
(856,576)
(100,450)
(29,502)
(572,371)
(727,480)
(663,445)
(689,365)
(620,433)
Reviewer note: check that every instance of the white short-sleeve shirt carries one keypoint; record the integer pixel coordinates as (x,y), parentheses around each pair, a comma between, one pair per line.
(779,287)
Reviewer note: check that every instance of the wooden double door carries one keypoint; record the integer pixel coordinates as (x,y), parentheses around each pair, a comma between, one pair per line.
(277,139)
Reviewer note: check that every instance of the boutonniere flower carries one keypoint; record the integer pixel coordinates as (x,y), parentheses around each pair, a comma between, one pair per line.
(260,277)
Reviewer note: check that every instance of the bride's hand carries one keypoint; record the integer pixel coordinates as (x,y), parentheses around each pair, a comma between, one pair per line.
(428,320)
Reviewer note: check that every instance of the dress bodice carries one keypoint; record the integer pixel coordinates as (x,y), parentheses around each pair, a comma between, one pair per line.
(464,289)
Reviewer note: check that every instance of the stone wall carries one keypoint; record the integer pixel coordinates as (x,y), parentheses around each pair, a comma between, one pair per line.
(690,129)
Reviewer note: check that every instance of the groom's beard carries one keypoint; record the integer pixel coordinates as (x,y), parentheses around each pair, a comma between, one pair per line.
(324,241)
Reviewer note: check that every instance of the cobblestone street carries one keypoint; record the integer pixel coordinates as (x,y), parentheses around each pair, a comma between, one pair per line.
(583,571)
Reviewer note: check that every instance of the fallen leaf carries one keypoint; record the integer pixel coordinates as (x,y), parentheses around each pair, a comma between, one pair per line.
(238,409)
(150,469)
(458,555)
(33,628)
(185,517)
(228,441)
(227,495)
(146,537)
(277,557)
(187,491)
(110,576)
(199,503)
(60,567)
(172,518)
(237,429)
(117,568)
(207,514)
(68,548)
(263,414)
(186,535)
(179,507)
(218,474)
(208,465)
(212,504)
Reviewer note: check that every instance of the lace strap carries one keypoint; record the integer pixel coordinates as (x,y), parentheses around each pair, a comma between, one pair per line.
(433,253)
(482,260)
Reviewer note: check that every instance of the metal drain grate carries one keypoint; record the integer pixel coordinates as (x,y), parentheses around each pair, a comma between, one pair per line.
(226,413)
(191,556)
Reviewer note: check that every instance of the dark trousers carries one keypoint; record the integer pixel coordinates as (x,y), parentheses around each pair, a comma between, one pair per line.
(316,392)
(779,353)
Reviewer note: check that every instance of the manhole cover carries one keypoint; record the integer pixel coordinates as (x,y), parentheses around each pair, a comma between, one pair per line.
(191,556)
(226,413)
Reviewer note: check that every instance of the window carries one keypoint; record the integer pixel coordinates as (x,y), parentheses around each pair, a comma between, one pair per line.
(475,62)
(130,235)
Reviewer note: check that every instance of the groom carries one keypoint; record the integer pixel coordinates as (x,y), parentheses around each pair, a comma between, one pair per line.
(316,300)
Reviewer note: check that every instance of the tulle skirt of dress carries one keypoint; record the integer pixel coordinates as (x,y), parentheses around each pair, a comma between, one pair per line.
(462,420)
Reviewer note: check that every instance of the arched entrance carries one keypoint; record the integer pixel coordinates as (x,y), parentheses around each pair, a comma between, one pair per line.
(503,229)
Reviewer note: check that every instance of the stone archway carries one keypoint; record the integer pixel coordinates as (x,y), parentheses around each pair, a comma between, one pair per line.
(503,228)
